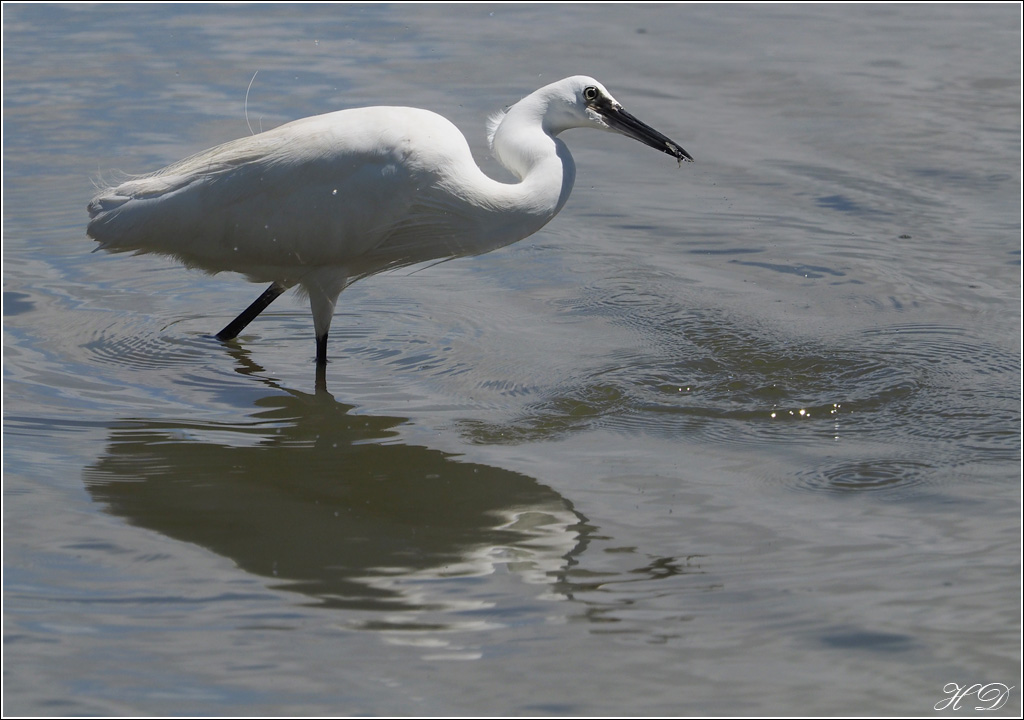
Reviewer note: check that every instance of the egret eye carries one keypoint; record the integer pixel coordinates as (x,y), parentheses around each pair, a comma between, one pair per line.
(590,93)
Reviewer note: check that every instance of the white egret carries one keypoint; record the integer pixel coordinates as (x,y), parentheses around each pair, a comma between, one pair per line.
(323,201)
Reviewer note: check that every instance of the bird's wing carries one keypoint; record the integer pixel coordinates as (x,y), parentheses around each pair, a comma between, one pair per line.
(314,192)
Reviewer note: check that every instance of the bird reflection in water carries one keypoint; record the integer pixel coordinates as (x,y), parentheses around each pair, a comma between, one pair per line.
(331,504)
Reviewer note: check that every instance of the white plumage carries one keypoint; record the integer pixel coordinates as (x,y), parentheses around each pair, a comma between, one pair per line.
(326,200)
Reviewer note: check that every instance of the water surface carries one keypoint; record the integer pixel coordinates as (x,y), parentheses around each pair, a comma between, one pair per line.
(740,437)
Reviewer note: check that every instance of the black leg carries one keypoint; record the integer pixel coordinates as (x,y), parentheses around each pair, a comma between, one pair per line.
(249,314)
(321,350)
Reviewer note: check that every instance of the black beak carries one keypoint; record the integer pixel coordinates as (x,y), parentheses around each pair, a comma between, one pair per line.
(620,120)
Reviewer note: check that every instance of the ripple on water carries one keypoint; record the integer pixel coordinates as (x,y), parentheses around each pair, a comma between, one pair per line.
(864,476)
(137,342)
(933,395)
(973,398)
(701,374)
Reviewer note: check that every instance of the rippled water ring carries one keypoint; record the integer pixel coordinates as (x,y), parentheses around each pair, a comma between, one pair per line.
(865,476)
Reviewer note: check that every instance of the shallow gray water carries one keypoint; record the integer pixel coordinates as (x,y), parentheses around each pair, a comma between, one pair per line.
(741,437)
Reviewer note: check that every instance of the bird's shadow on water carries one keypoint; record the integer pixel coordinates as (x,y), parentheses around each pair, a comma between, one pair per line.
(333,504)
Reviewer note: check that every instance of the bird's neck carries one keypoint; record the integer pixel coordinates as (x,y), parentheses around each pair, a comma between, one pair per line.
(540,161)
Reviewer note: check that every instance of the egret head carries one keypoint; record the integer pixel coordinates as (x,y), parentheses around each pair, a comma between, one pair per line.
(582,101)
